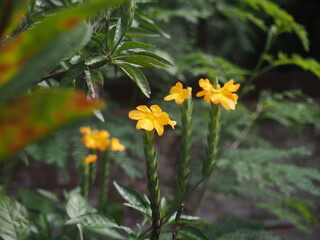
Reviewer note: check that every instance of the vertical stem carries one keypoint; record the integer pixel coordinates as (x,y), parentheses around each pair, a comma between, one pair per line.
(105,181)
(184,162)
(85,180)
(213,141)
(152,183)
(269,41)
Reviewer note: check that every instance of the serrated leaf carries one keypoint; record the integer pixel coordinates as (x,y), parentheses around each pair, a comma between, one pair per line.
(78,205)
(134,199)
(132,44)
(43,111)
(192,233)
(14,224)
(137,76)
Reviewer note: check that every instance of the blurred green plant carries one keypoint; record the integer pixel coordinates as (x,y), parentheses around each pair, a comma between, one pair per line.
(49,48)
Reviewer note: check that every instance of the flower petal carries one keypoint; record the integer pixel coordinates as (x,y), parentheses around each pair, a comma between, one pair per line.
(229,86)
(159,127)
(143,108)
(156,109)
(136,115)
(145,124)
(85,130)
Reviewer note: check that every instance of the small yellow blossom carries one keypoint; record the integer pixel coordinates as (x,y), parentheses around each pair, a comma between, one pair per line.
(178,93)
(94,139)
(153,118)
(224,95)
(90,159)
(115,145)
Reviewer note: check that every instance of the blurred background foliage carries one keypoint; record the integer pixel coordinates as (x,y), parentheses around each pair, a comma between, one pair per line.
(128,54)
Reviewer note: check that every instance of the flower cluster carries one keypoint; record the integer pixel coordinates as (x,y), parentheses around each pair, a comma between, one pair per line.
(98,140)
(224,95)
(153,118)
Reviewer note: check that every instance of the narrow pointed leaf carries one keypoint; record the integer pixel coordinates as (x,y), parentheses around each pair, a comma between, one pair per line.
(134,199)
(157,59)
(140,32)
(192,233)
(58,36)
(43,112)
(14,224)
(137,76)
(132,44)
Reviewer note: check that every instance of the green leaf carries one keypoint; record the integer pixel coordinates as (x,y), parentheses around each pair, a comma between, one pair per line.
(127,9)
(14,224)
(192,233)
(94,221)
(43,111)
(132,44)
(137,76)
(140,32)
(150,25)
(283,20)
(307,64)
(134,199)
(78,205)
(234,12)
(156,58)
(11,14)
(142,61)
(72,74)
(30,71)
(34,201)
(53,39)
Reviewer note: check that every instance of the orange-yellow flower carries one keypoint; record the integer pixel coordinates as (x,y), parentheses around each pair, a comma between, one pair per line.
(115,145)
(224,95)
(94,139)
(90,159)
(153,118)
(178,93)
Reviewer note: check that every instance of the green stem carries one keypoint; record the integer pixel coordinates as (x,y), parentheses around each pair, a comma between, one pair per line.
(213,141)
(85,180)
(185,155)
(269,42)
(105,181)
(184,163)
(152,183)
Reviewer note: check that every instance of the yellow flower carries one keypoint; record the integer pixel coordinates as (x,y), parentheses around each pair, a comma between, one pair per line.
(90,159)
(153,118)
(224,95)
(94,139)
(207,89)
(178,93)
(115,145)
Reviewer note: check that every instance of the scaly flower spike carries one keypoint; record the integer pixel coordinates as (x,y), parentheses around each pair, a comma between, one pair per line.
(150,119)
(182,97)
